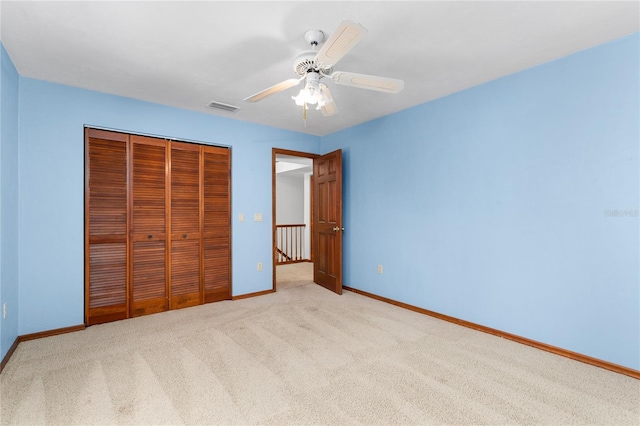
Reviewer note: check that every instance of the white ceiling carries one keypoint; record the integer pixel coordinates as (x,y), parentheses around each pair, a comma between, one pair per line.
(289,165)
(186,54)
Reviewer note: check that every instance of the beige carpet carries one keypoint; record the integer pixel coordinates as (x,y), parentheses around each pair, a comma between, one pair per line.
(303,356)
(294,275)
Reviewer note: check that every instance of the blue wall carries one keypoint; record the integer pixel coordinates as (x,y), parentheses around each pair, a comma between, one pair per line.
(9,83)
(52,118)
(497,205)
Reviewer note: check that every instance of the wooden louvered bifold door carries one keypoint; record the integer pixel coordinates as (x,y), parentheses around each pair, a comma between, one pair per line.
(185,225)
(148,211)
(157,225)
(217,224)
(105,226)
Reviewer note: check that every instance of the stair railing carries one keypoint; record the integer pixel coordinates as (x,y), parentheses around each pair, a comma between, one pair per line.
(290,243)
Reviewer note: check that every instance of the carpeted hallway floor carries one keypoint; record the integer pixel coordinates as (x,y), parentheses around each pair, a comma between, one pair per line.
(294,275)
(302,355)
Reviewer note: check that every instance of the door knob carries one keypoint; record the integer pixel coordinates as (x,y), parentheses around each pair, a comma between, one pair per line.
(337,228)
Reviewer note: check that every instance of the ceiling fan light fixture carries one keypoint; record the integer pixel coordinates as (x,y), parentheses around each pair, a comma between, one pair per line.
(312,93)
(308,97)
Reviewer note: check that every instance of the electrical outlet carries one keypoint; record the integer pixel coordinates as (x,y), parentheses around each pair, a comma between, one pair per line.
(4,311)
(259,266)
(379,269)
(257,217)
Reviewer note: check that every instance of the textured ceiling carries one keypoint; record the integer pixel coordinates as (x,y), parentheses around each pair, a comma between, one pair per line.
(186,54)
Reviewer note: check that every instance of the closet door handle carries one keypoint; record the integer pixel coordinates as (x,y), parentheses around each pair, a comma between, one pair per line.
(149,237)
(184,236)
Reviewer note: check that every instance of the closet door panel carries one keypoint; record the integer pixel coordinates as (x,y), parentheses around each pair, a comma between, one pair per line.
(217,224)
(149,226)
(217,284)
(185,188)
(108,275)
(105,226)
(185,225)
(107,188)
(185,274)
(149,276)
(148,189)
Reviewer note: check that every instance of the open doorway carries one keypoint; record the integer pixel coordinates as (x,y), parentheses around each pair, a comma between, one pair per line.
(292,178)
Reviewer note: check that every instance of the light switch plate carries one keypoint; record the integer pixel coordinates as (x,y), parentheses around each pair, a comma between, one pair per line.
(257,217)
(241,217)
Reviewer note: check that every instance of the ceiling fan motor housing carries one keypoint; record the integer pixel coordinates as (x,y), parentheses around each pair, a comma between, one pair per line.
(305,63)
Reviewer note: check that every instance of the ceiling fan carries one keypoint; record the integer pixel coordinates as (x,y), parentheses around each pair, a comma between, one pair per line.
(313,65)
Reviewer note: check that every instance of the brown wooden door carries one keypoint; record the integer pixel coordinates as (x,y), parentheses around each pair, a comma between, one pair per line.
(185,225)
(327,221)
(105,226)
(216,236)
(149,250)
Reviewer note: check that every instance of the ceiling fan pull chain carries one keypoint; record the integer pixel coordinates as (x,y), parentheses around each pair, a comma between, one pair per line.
(304,113)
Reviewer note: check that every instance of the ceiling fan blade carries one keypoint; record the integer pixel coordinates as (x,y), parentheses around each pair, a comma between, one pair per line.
(343,39)
(371,82)
(274,89)
(330,108)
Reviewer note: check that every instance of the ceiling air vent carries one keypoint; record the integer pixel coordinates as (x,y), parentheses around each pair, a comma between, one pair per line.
(223,107)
